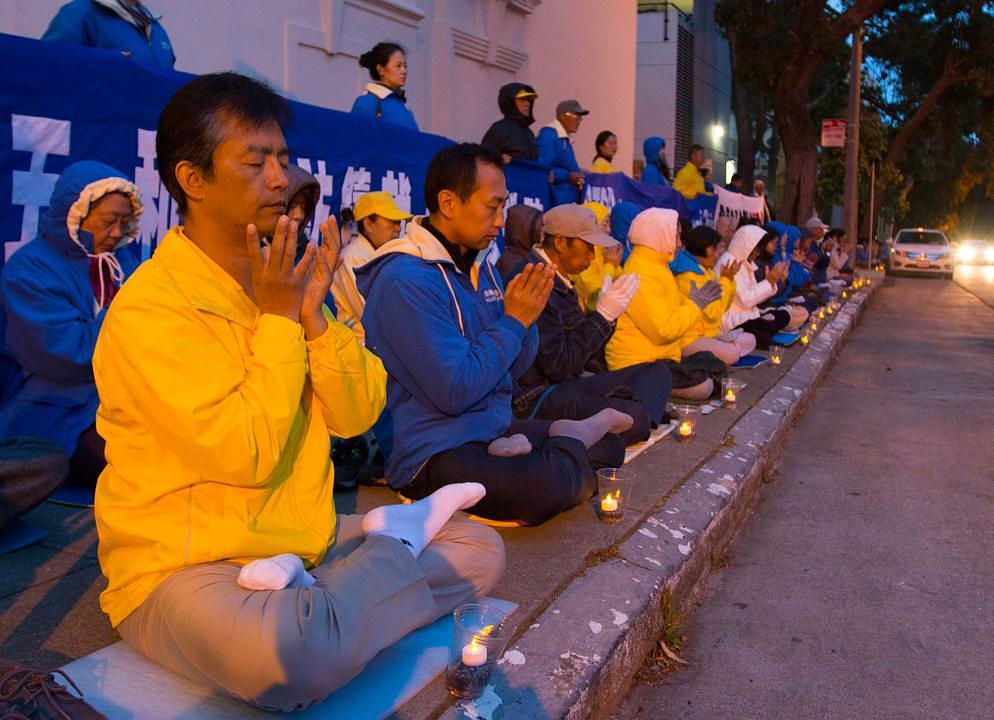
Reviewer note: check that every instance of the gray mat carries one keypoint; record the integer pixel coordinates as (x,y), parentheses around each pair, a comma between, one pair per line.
(125,686)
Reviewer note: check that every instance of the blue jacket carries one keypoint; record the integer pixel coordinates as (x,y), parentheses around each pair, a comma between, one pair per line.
(652,174)
(378,102)
(683,262)
(450,352)
(556,153)
(93,24)
(797,275)
(51,321)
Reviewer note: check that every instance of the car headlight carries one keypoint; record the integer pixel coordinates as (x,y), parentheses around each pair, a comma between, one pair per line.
(964,254)
(989,254)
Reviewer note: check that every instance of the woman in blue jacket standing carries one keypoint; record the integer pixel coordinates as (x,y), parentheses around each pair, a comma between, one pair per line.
(55,292)
(384,98)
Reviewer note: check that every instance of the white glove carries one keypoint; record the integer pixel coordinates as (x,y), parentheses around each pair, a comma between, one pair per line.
(705,294)
(615,296)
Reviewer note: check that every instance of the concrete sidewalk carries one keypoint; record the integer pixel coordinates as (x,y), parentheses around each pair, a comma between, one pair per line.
(864,585)
(48,603)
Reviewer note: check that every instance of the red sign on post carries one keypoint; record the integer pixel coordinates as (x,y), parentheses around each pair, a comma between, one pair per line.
(833,133)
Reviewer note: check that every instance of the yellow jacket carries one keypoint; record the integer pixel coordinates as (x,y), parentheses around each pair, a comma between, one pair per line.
(217,422)
(588,283)
(710,323)
(603,166)
(689,181)
(658,317)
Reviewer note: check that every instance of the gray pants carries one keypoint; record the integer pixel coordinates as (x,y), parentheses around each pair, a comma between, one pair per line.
(285,649)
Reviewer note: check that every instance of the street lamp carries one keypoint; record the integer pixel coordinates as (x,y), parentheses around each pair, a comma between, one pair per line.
(717,134)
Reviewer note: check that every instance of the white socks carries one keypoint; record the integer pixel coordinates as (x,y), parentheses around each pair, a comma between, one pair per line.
(416,524)
(510,446)
(275,573)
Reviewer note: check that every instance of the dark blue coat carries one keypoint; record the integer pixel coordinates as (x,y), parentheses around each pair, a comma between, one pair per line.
(89,23)
(51,322)
(557,154)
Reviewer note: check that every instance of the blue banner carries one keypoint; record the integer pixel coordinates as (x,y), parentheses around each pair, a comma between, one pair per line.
(62,103)
(612,188)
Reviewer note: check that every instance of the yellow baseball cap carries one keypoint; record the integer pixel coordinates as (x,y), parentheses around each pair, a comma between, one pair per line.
(526,93)
(379,203)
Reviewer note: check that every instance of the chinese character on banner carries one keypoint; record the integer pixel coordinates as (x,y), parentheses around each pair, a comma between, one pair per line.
(355,185)
(32,188)
(534,202)
(326,184)
(400,187)
(154,195)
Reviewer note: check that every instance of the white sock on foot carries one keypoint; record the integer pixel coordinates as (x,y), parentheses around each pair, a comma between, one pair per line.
(510,446)
(275,573)
(416,524)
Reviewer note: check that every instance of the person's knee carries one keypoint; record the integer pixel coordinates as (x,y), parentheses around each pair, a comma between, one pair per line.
(727,352)
(746,343)
(701,391)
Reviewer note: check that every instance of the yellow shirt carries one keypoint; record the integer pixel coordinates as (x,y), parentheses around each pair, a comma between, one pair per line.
(603,166)
(588,283)
(689,181)
(217,422)
(657,318)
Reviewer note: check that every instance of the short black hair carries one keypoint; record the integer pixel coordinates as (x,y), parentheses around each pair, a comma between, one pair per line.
(455,168)
(747,220)
(379,55)
(700,238)
(694,148)
(191,124)
(735,176)
(359,224)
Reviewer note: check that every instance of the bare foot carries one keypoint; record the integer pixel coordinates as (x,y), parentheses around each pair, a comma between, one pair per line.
(510,446)
(591,430)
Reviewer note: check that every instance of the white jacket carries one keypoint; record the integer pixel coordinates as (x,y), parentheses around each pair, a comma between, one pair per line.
(748,293)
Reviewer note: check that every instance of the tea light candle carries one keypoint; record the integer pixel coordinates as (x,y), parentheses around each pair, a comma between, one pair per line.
(829,309)
(804,339)
(686,429)
(776,357)
(814,325)
(474,654)
(845,294)
(821,314)
(609,503)
(730,396)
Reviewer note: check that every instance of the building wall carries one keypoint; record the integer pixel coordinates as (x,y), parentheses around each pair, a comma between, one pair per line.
(656,79)
(460,52)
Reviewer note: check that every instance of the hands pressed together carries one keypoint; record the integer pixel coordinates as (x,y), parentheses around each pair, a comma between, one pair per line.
(292,290)
(528,292)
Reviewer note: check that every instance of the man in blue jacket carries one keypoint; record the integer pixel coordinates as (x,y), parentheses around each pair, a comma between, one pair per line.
(55,292)
(126,26)
(453,340)
(555,149)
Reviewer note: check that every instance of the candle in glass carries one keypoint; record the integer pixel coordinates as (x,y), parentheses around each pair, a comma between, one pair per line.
(776,355)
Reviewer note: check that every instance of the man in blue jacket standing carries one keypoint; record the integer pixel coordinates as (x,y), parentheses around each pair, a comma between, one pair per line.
(123,25)
(453,340)
(555,149)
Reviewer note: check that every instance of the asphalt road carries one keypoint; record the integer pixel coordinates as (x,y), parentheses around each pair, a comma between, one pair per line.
(863,586)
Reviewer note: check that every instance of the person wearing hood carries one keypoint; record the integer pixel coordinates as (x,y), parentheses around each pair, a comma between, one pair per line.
(656,170)
(569,378)
(454,340)
(555,150)
(512,137)
(384,98)
(222,380)
(744,311)
(522,231)
(605,148)
(689,182)
(606,263)
(797,275)
(622,216)
(378,220)
(659,315)
(125,26)
(55,293)
(695,265)
(303,194)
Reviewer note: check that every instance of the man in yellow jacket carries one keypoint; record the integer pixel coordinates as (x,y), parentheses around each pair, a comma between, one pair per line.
(689,181)
(221,377)
(659,316)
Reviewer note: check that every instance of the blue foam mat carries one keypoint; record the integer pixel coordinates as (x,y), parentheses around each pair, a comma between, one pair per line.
(786,338)
(72,496)
(17,534)
(751,361)
(124,685)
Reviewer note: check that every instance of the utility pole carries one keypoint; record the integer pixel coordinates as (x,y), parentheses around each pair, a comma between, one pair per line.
(850,202)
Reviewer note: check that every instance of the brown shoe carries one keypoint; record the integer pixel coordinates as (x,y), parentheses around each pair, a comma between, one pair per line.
(28,693)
